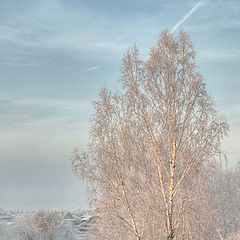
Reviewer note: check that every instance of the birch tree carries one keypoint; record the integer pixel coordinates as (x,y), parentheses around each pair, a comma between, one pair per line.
(151,142)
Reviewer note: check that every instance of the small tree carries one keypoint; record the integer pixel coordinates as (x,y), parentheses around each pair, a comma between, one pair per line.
(151,143)
(46,224)
(43,225)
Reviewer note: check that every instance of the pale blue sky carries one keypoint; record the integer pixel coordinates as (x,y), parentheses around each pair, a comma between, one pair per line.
(55,57)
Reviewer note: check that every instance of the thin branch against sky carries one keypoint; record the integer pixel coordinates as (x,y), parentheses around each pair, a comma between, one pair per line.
(189,14)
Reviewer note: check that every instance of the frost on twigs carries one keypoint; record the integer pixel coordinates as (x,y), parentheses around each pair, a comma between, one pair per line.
(151,145)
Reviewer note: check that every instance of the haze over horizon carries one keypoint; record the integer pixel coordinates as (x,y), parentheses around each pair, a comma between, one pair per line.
(57,55)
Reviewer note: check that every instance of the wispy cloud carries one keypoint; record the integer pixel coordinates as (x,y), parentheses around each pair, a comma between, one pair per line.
(219,55)
(189,14)
(92,68)
(19,63)
(18,113)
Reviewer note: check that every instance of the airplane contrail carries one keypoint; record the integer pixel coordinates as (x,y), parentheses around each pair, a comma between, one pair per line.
(188,14)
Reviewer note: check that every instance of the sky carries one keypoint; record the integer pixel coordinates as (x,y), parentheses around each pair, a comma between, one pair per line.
(55,57)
